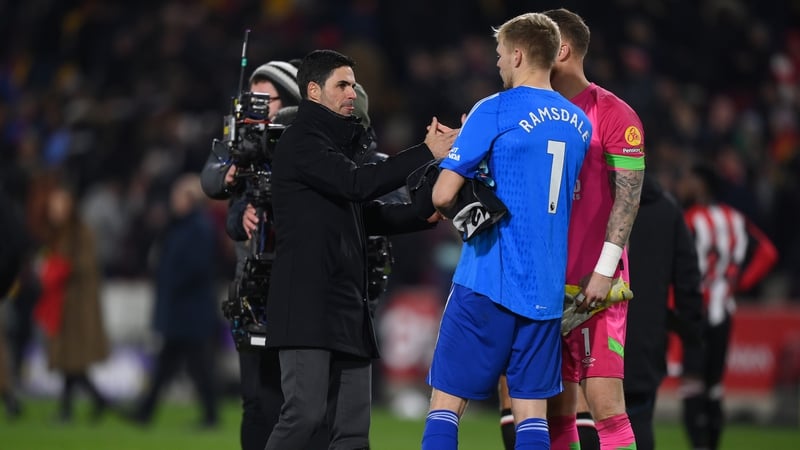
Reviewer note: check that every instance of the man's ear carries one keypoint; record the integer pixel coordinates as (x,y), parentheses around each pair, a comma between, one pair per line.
(564,52)
(517,57)
(314,91)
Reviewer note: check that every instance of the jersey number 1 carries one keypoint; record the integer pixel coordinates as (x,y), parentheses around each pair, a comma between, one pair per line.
(555,148)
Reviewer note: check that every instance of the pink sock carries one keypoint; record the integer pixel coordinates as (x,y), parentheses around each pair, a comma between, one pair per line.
(563,433)
(616,433)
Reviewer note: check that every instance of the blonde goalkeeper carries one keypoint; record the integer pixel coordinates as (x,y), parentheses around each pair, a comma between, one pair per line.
(606,201)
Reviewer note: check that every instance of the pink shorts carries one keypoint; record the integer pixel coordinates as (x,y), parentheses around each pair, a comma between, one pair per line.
(596,348)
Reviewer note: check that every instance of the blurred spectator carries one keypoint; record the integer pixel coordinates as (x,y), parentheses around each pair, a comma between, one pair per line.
(103,210)
(68,311)
(7,395)
(186,312)
(20,327)
(12,259)
(733,255)
(13,250)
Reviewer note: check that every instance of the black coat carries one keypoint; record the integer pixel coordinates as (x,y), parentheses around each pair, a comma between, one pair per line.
(661,254)
(186,302)
(323,215)
(15,243)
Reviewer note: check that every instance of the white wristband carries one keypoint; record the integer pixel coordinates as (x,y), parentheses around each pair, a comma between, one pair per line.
(609,259)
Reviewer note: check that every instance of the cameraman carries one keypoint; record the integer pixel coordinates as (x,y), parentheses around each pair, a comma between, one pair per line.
(279,80)
(259,370)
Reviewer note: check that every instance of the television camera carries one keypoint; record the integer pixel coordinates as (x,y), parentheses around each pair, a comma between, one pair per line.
(250,139)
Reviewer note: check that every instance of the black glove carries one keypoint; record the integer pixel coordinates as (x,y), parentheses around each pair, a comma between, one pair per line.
(476,207)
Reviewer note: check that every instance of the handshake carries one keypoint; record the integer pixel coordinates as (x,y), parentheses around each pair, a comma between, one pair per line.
(620,292)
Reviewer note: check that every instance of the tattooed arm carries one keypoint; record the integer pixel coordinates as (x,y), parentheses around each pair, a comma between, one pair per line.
(626,186)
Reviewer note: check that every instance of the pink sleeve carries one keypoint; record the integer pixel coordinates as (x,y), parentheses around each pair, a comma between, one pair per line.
(623,136)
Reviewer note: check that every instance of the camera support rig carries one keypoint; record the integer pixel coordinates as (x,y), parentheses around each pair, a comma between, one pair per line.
(250,138)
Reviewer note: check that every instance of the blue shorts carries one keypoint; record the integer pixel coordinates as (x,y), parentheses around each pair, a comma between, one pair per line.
(479,340)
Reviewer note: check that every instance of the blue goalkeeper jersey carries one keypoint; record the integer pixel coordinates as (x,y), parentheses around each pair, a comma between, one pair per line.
(535,140)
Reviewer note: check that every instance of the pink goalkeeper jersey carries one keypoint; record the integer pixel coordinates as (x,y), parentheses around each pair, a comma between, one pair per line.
(617,143)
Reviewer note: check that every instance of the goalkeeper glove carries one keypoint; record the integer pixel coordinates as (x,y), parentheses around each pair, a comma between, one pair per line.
(476,208)
(619,292)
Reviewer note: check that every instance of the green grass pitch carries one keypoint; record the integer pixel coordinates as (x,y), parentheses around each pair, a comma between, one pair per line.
(172,430)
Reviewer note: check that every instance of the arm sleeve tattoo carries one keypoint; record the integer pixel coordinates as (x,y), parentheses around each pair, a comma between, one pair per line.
(627,188)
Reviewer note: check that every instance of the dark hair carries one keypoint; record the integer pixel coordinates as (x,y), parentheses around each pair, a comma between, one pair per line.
(318,66)
(573,29)
(708,175)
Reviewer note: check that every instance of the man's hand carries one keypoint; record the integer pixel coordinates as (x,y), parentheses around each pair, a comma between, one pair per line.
(250,220)
(436,217)
(619,292)
(230,175)
(440,138)
(594,290)
(691,385)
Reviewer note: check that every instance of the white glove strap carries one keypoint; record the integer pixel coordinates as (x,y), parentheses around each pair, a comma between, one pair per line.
(609,259)
(470,218)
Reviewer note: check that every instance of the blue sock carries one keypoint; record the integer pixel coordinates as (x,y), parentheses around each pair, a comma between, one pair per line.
(441,431)
(532,434)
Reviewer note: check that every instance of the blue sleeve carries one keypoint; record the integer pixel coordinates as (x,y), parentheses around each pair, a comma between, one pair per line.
(475,138)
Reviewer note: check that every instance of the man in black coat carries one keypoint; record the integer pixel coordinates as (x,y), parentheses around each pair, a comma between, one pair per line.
(662,256)
(317,311)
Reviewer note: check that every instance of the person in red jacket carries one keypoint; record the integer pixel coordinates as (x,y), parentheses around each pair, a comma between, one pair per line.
(69,308)
(733,255)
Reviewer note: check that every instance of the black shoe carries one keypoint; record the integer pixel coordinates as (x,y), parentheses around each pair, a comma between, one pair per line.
(12,406)
(135,417)
(62,418)
(99,409)
(206,425)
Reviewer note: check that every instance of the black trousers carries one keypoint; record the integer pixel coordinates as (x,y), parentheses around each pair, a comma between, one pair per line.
(260,377)
(640,407)
(79,380)
(262,398)
(703,417)
(199,361)
(322,387)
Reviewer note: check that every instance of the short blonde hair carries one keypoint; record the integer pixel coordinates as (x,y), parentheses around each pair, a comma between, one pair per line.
(536,34)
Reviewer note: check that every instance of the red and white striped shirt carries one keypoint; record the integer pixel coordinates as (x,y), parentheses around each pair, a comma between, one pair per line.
(722,237)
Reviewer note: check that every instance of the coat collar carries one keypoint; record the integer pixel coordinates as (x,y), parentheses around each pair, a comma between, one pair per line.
(341,129)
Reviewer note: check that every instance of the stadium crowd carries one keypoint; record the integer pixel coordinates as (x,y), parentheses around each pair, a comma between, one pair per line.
(125,96)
